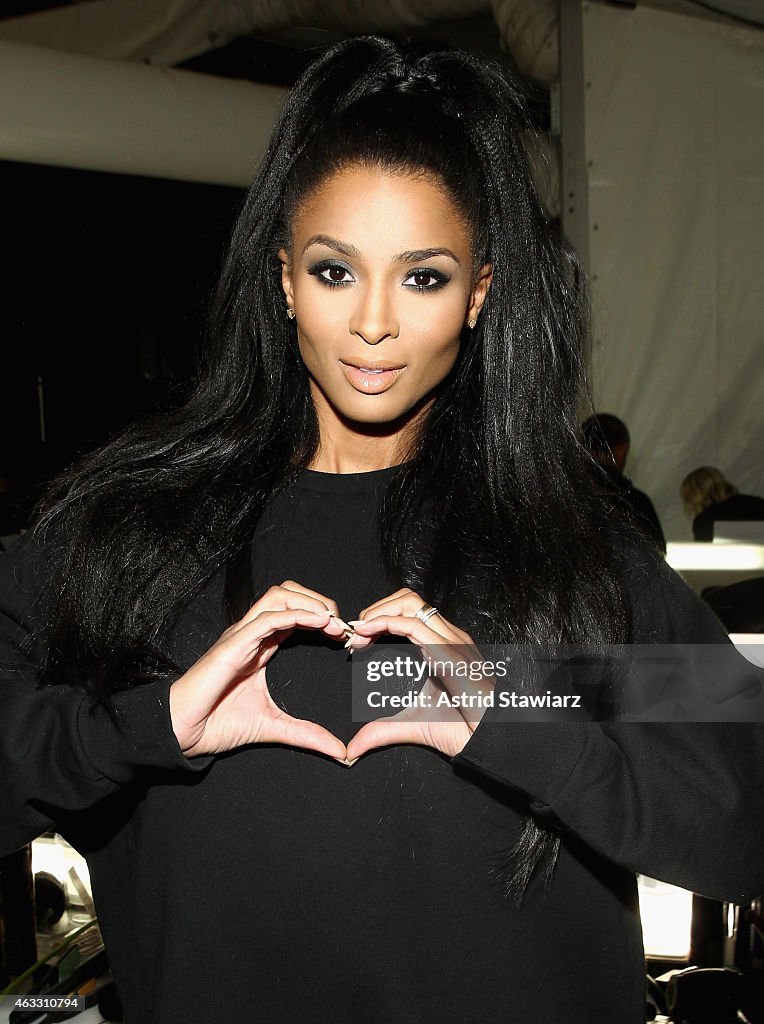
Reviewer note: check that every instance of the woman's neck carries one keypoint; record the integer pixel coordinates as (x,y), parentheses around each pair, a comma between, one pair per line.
(352,462)
(343,450)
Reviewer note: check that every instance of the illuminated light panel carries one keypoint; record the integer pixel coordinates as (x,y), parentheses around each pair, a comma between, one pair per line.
(666,913)
(718,555)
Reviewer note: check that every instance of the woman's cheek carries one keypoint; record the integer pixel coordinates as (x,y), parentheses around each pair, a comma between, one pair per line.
(320,331)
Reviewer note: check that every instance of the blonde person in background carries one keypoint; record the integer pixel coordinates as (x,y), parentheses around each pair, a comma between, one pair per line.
(709,497)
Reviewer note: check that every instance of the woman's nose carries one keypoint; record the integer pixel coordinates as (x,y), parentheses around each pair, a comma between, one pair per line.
(374,317)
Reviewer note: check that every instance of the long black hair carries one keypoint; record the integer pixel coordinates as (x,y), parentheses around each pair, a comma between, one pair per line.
(492,517)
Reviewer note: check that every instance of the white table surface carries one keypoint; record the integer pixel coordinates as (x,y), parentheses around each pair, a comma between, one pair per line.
(715,564)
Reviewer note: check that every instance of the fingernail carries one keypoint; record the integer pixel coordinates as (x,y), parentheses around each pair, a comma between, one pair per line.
(349,764)
(346,629)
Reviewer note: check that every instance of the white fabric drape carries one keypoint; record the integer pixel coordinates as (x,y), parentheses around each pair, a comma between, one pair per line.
(171,31)
(675,147)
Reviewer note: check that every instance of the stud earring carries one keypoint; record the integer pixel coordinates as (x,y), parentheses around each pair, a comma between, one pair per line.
(291,313)
(472,324)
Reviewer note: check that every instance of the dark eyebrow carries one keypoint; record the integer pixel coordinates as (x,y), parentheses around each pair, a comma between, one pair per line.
(420,255)
(331,243)
(411,256)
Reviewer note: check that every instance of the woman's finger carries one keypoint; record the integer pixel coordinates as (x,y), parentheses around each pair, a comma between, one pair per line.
(298,588)
(398,595)
(364,638)
(409,626)
(449,652)
(247,628)
(288,595)
(408,603)
(330,603)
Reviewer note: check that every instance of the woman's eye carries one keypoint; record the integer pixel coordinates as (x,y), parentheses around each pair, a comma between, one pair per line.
(426,280)
(331,274)
(335,274)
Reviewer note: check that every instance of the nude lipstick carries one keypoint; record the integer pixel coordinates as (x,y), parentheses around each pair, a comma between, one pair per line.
(371,379)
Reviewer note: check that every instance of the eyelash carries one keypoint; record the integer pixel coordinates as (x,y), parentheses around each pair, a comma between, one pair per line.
(440,279)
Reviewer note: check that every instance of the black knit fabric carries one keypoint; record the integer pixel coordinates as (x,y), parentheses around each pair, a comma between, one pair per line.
(274,884)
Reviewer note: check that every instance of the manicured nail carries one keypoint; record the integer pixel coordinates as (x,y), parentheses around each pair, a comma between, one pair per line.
(348,630)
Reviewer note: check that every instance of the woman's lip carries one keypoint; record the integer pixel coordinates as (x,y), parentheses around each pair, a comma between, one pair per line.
(371,383)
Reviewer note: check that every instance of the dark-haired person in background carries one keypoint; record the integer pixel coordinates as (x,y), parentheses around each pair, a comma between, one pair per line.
(607,438)
(384,429)
(709,497)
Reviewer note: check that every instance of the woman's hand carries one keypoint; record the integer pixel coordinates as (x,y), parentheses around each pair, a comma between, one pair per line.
(444,726)
(222,701)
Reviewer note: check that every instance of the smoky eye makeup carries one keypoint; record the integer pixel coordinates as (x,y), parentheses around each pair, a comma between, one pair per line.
(331,273)
(437,278)
(334,274)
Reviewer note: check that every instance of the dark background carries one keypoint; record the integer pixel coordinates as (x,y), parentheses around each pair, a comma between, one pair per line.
(105,290)
(106,284)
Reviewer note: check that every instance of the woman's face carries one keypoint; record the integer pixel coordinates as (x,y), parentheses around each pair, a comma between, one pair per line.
(381,284)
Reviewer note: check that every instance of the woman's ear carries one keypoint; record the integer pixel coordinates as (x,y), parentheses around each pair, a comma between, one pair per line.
(479,291)
(286,277)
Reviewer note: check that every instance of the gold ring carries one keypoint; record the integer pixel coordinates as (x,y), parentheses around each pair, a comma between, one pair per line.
(426,612)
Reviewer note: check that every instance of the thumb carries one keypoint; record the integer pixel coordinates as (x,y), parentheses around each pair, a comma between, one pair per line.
(382,733)
(299,732)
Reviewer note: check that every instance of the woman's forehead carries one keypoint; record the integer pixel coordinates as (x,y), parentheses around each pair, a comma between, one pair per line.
(387,210)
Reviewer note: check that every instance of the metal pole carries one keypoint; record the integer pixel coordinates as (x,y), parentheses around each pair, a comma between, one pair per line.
(575,178)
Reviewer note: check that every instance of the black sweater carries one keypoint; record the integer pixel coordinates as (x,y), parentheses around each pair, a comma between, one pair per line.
(273,884)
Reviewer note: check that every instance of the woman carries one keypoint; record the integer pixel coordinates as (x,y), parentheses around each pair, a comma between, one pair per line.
(709,497)
(385,425)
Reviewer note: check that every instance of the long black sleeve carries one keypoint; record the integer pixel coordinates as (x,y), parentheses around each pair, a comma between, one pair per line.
(678,801)
(60,750)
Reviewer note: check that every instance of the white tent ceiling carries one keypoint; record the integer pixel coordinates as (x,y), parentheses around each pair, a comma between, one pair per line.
(65,71)
(168,32)
(173,31)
